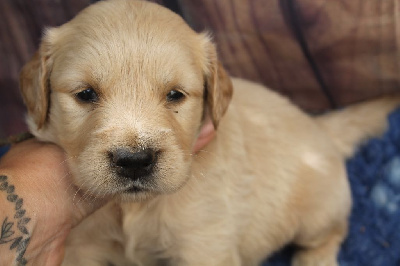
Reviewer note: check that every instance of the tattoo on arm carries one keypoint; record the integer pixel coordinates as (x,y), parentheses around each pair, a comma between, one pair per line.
(13,229)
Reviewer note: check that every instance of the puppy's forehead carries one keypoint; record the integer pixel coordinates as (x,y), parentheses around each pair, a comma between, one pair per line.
(132,38)
(130,19)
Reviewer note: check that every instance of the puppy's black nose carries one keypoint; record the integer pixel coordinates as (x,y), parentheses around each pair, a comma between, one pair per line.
(133,165)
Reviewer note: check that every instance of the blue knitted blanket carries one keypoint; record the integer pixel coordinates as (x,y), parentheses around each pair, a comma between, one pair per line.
(374,173)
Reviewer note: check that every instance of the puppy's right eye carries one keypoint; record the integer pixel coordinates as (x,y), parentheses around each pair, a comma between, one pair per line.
(87,95)
(175,96)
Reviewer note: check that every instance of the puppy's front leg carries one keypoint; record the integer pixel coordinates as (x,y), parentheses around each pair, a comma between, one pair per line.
(225,258)
(97,241)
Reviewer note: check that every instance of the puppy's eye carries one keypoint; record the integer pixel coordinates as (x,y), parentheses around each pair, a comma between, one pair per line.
(88,95)
(175,96)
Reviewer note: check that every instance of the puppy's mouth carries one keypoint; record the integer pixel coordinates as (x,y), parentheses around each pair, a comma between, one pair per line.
(142,187)
(135,189)
(136,192)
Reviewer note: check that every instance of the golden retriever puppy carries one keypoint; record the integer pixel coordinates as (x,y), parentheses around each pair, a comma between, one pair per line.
(127,89)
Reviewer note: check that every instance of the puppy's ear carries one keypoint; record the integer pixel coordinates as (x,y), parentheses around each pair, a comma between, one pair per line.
(35,85)
(218,85)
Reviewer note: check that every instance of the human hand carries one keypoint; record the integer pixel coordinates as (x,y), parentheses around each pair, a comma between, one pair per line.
(39,203)
(206,135)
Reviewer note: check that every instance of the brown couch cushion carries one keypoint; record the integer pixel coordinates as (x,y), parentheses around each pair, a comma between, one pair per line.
(321,53)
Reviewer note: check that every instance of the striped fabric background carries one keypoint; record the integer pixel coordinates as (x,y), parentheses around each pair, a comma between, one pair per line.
(322,54)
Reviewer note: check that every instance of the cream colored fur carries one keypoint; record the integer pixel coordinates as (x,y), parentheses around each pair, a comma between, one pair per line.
(272,175)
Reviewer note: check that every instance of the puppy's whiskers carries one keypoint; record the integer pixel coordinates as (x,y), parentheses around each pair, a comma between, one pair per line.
(79,190)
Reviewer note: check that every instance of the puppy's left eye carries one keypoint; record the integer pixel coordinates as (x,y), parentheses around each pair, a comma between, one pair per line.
(175,96)
(88,95)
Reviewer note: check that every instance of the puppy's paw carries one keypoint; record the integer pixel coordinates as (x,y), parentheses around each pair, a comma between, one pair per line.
(321,249)
(313,258)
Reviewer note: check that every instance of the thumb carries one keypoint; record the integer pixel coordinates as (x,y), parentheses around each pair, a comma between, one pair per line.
(206,135)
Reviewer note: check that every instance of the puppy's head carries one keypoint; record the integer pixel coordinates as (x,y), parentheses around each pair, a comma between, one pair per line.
(124,88)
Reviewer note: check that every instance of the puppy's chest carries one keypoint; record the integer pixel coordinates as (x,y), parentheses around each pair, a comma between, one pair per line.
(151,235)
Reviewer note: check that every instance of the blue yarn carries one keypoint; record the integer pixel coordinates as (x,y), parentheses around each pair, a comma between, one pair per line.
(374,233)
(374,174)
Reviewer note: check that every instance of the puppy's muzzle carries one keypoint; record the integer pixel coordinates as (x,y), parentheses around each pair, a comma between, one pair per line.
(133,165)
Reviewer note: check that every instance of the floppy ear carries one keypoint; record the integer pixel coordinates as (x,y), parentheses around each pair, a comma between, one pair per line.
(218,86)
(35,85)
